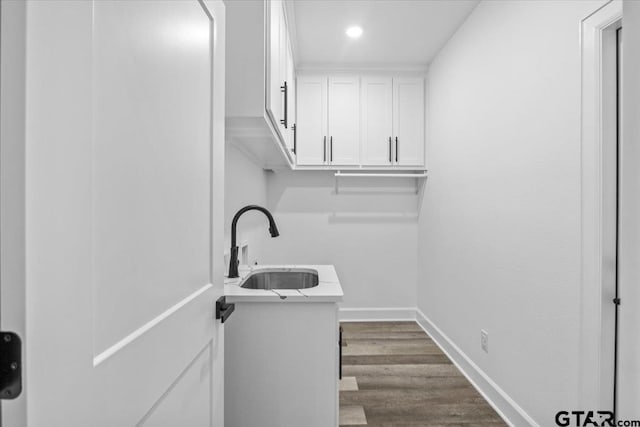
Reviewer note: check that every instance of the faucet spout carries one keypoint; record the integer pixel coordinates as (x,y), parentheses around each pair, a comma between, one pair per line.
(233,258)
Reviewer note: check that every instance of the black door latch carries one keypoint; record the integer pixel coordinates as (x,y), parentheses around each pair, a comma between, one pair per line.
(224,310)
(10,365)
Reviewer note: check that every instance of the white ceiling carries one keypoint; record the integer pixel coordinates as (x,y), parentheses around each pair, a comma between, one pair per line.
(397,33)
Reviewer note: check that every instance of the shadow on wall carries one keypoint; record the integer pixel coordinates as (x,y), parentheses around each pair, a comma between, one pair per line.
(245,184)
(368,231)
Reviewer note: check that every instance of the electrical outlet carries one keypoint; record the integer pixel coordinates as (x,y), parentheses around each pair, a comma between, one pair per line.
(244,253)
(227,256)
(484,340)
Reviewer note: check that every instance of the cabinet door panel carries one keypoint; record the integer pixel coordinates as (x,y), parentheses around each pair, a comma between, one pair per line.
(284,58)
(408,121)
(291,97)
(312,120)
(274,63)
(376,120)
(344,126)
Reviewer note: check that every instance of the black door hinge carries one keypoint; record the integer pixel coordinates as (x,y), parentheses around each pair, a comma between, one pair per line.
(340,353)
(616,301)
(10,365)
(223,309)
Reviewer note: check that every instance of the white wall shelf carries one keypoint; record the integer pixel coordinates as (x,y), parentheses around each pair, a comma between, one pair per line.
(341,174)
(418,176)
(362,168)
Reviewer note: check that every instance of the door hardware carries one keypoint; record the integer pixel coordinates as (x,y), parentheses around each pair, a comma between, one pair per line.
(331,148)
(284,90)
(324,150)
(396,149)
(295,133)
(10,365)
(224,309)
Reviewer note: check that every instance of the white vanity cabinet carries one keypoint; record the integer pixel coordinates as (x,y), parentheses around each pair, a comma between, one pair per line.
(282,353)
(352,121)
(282,365)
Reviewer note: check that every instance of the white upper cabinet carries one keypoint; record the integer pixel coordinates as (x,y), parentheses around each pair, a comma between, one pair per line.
(376,121)
(372,122)
(282,77)
(345,120)
(260,97)
(344,123)
(311,126)
(408,121)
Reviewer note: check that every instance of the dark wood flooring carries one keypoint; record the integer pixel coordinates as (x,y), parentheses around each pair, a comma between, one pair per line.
(404,380)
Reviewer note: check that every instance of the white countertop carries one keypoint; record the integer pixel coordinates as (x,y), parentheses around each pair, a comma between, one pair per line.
(328,289)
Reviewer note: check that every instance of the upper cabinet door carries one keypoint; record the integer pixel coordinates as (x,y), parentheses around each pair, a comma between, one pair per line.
(312,121)
(408,121)
(344,126)
(275,104)
(291,98)
(285,57)
(376,121)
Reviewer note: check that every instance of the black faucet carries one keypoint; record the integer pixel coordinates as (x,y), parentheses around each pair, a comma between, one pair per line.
(233,259)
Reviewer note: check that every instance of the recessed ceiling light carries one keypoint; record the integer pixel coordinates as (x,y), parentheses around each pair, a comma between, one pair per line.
(354,32)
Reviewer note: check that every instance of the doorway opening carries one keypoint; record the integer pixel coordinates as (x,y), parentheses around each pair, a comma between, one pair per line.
(616,299)
(610,205)
(600,168)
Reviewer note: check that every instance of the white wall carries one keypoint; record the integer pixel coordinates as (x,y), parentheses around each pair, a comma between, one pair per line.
(245,184)
(499,227)
(368,231)
(630,227)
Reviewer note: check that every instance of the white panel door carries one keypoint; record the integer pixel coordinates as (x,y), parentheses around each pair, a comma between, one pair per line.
(408,121)
(376,120)
(312,120)
(123,166)
(629,350)
(343,120)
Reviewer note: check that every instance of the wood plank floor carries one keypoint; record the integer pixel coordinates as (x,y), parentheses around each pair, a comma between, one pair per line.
(394,375)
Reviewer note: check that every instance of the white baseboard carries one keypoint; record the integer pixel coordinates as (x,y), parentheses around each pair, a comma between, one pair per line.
(504,405)
(376,314)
